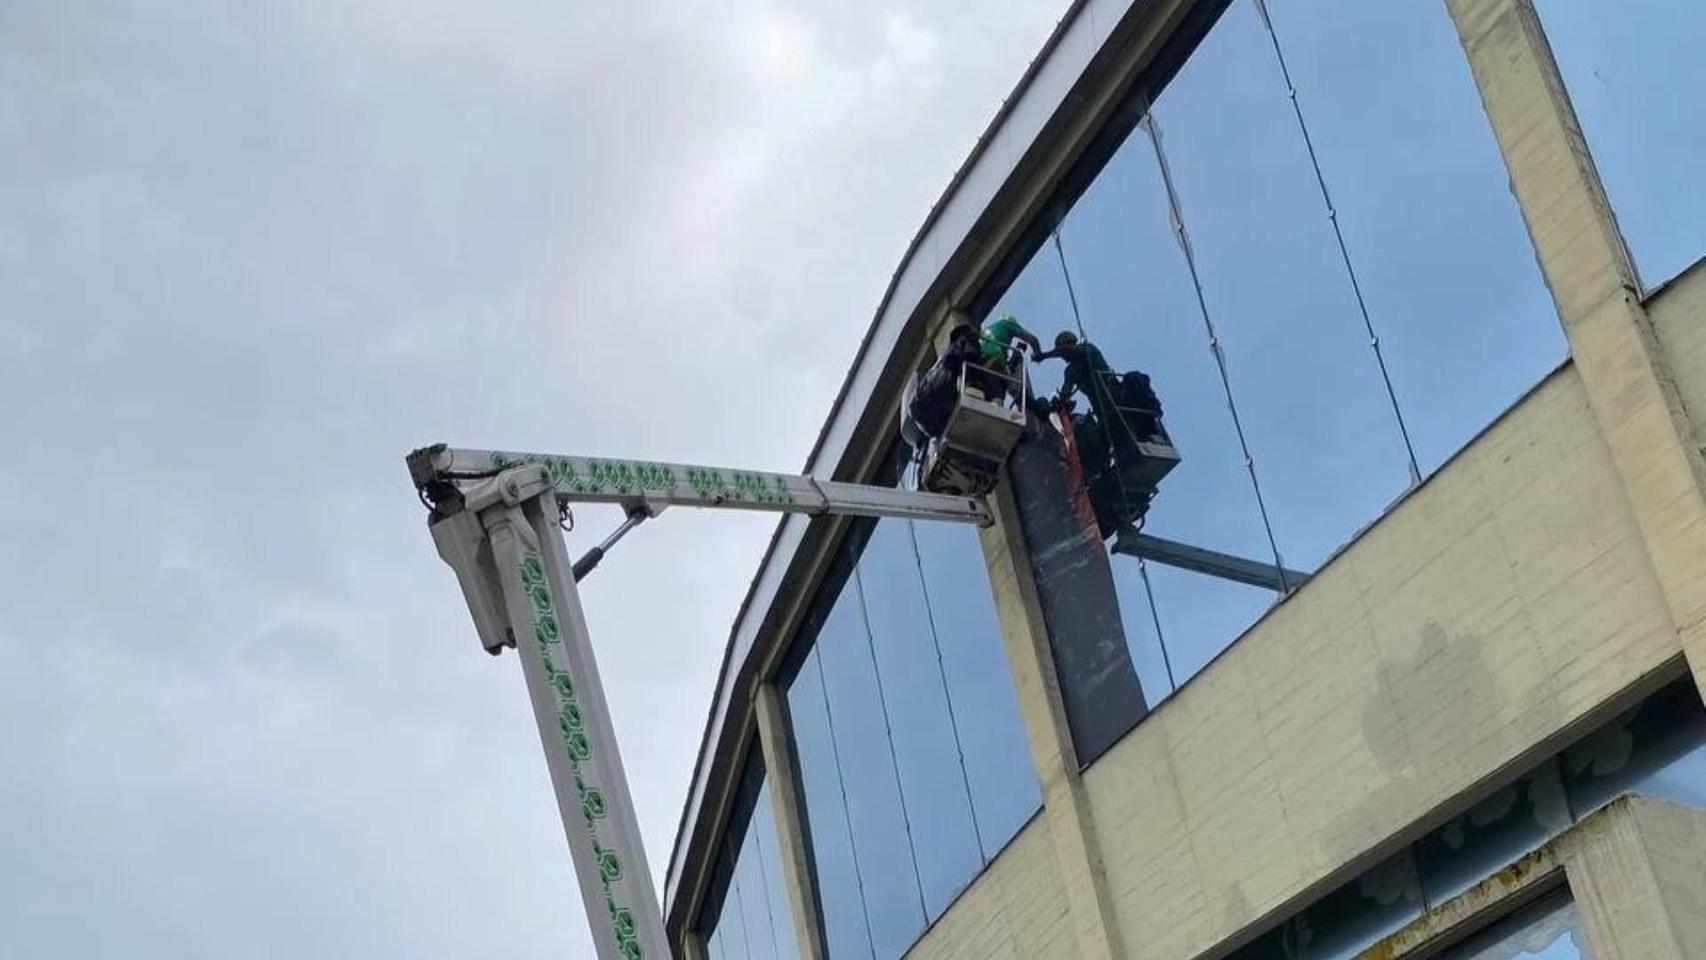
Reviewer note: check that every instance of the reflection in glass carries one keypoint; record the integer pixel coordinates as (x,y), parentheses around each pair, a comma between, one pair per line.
(1423,199)
(865,753)
(837,867)
(1326,448)
(1634,73)
(913,759)
(1494,833)
(1550,929)
(731,923)
(1657,749)
(1341,924)
(1004,789)
(914,694)
(1139,308)
(746,914)
(782,932)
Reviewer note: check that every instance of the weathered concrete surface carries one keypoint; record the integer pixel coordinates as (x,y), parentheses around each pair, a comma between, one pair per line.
(1502,602)
(1637,870)
(1627,373)
(1016,910)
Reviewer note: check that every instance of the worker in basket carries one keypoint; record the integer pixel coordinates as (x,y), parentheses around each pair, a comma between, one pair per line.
(938,389)
(1122,404)
(1124,412)
(999,335)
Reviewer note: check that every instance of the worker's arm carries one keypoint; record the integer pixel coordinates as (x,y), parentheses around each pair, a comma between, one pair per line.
(1074,381)
(1032,342)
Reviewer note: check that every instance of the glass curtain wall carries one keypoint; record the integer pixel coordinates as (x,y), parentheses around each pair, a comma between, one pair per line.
(1443,272)
(747,915)
(912,755)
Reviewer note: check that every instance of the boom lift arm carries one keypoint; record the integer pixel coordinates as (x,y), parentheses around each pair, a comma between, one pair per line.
(496,519)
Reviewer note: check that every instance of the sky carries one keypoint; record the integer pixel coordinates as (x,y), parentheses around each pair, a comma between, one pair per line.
(252,253)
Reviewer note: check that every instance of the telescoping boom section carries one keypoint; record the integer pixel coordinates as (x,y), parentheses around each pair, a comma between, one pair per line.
(440,472)
(496,520)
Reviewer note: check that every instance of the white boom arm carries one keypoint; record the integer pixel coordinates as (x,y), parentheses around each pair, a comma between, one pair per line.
(495,521)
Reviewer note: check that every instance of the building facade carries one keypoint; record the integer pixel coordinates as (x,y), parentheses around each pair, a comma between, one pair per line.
(1433,350)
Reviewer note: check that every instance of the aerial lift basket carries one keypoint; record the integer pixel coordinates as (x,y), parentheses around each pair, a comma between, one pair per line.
(987,421)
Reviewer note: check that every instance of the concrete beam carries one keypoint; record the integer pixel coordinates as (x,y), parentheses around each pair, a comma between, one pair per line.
(1636,869)
(1624,369)
(789,810)
(1065,806)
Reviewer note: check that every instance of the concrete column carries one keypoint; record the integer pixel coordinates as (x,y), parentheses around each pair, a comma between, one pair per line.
(1064,805)
(789,811)
(1637,870)
(1621,364)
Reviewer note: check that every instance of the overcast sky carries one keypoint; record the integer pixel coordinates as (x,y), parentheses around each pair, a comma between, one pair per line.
(252,253)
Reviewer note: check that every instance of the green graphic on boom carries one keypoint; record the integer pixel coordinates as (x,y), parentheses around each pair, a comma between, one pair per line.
(571,724)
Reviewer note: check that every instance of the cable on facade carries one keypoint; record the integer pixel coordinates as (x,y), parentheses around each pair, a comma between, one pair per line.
(947,695)
(1108,438)
(888,734)
(846,812)
(763,875)
(740,905)
(1339,236)
(1155,616)
(1182,235)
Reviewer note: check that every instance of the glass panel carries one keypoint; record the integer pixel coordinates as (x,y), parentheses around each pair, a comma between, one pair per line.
(893,902)
(1550,929)
(1314,409)
(837,869)
(1140,308)
(782,934)
(1423,199)
(1353,917)
(1200,616)
(1004,788)
(932,778)
(1657,749)
(1494,833)
(1634,73)
(755,901)
(732,923)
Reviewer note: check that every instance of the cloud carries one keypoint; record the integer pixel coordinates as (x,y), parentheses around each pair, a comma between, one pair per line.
(254,252)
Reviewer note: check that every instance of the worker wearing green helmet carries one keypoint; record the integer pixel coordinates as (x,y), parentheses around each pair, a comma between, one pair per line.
(998,337)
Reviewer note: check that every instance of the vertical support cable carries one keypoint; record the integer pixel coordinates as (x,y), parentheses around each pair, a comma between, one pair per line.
(894,758)
(846,813)
(1107,437)
(947,695)
(1339,235)
(1183,237)
(1155,617)
(763,874)
(740,903)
